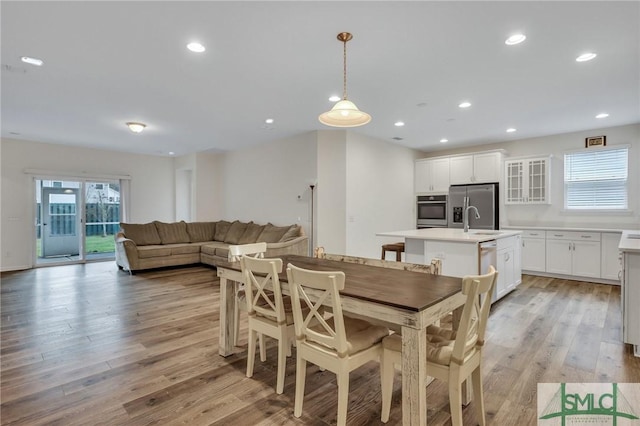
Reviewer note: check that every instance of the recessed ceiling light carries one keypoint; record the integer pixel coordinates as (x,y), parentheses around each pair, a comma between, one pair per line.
(515,39)
(586,57)
(399,123)
(196,47)
(33,61)
(465,104)
(511,130)
(269,121)
(444,140)
(136,127)
(602,115)
(335,98)
(171,153)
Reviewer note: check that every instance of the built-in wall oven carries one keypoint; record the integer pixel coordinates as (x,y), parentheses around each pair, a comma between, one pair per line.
(431,211)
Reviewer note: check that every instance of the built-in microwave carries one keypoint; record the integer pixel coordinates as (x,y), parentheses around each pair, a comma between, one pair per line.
(431,211)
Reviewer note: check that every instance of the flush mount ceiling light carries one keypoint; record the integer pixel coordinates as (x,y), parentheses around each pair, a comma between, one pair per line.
(196,47)
(136,127)
(602,115)
(511,130)
(464,104)
(344,113)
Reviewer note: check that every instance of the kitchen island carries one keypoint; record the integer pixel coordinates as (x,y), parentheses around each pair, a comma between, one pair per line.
(467,253)
(629,247)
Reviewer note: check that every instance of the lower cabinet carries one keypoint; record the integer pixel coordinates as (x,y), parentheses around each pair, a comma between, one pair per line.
(508,266)
(610,265)
(573,253)
(533,251)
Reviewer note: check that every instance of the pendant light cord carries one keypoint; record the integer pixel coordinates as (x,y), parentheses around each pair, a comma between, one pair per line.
(344,86)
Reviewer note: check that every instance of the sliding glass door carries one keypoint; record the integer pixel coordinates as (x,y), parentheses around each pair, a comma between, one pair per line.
(76,220)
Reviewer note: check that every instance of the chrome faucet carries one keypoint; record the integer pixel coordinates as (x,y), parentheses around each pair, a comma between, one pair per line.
(465,213)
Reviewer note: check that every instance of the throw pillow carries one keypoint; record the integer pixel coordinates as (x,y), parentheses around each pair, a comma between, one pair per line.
(292,232)
(201,231)
(222,227)
(252,233)
(236,230)
(143,234)
(173,233)
(272,234)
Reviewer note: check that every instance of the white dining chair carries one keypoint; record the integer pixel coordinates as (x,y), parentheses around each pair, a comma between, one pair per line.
(268,312)
(452,355)
(339,344)
(236,251)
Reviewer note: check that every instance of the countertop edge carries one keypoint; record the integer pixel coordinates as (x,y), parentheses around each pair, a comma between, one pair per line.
(629,245)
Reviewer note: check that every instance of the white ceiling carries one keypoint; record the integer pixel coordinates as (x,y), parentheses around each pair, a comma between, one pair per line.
(106,63)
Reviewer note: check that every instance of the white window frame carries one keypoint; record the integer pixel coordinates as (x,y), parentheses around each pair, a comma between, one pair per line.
(596,209)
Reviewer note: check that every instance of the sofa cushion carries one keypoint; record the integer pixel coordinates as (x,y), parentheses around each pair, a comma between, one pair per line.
(210,249)
(222,227)
(187,248)
(173,233)
(292,232)
(236,230)
(201,231)
(251,234)
(150,251)
(222,252)
(271,233)
(143,234)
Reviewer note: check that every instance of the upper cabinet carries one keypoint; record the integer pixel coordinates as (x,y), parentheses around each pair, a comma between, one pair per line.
(476,168)
(431,175)
(527,181)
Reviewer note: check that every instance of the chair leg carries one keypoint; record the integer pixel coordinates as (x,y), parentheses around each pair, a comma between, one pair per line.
(387,372)
(236,331)
(301,373)
(251,352)
(263,348)
(478,397)
(455,402)
(343,397)
(283,343)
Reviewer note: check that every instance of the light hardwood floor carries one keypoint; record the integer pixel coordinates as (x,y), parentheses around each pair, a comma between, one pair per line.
(85,345)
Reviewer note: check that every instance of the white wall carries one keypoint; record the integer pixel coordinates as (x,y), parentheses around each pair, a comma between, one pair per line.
(380,193)
(263,183)
(556,145)
(152,188)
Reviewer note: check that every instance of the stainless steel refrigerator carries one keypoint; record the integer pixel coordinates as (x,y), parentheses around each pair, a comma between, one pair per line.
(484,196)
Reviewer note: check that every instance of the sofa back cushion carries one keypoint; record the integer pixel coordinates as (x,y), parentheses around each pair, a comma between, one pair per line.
(143,234)
(201,231)
(292,232)
(236,230)
(222,227)
(173,233)
(251,234)
(272,234)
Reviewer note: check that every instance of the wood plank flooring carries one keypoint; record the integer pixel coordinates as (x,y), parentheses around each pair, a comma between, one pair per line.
(88,345)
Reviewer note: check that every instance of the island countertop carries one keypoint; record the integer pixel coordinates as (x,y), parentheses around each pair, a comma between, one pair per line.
(630,241)
(451,234)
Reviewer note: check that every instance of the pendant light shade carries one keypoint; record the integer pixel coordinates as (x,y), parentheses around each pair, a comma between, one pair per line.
(344,113)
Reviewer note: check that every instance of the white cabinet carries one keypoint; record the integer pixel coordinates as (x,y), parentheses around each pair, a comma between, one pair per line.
(533,251)
(527,181)
(431,175)
(508,266)
(610,260)
(476,168)
(631,299)
(573,253)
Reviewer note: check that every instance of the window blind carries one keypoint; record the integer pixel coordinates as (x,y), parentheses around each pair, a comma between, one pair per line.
(596,179)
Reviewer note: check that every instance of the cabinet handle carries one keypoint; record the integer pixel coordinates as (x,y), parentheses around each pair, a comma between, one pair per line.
(558,235)
(533,233)
(506,257)
(585,236)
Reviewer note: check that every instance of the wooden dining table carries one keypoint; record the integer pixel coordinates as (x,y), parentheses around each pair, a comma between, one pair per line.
(407,301)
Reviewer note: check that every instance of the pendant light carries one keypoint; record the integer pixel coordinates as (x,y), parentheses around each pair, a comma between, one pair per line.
(344,113)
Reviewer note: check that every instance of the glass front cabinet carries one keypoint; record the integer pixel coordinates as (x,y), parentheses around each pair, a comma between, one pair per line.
(527,180)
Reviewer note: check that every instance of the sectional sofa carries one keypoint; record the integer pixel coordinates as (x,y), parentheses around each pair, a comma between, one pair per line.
(158,244)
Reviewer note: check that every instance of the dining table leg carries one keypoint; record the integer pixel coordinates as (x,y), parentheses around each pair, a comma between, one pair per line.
(414,375)
(227,314)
